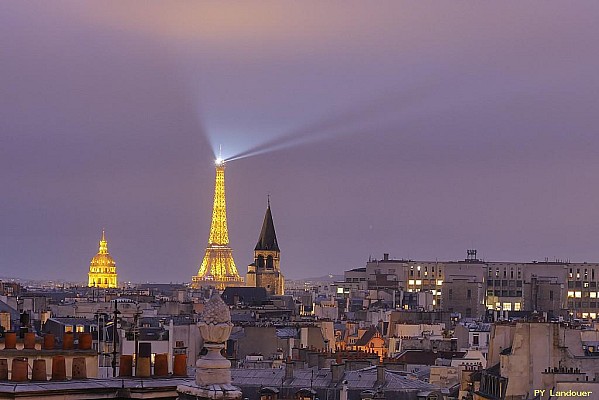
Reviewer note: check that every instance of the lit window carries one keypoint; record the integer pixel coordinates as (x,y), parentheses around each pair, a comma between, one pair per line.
(570,294)
(418,268)
(593,295)
(434,302)
(411,282)
(439,282)
(516,306)
(80,328)
(507,306)
(418,282)
(68,328)
(578,294)
(585,284)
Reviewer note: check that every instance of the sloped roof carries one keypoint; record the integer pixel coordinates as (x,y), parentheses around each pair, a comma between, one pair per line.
(268,237)
(427,357)
(367,336)
(310,377)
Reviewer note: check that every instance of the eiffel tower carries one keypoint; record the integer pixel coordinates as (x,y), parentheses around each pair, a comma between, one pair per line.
(218,267)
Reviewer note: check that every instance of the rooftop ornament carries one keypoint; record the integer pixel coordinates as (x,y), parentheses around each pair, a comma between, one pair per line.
(213,371)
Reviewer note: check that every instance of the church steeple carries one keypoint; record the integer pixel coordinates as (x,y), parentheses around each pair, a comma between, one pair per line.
(268,236)
(265,271)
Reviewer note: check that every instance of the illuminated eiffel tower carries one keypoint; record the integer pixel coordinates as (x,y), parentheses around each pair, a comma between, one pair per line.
(218,267)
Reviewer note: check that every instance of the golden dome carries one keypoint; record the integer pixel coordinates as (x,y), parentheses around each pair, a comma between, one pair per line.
(102,268)
(102,259)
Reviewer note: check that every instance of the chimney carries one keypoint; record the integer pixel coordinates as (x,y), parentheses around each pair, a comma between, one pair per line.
(288,369)
(380,374)
(337,370)
(322,357)
(385,256)
(343,392)
(312,359)
(295,353)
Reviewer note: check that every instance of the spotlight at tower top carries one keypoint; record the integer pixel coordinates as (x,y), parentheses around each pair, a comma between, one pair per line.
(219,160)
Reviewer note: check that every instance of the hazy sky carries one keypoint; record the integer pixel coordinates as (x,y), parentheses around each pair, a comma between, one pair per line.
(419,129)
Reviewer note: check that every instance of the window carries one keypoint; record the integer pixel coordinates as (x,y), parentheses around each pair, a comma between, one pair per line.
(450,294)
(469,296)
(79,328)
(507,306)
(68,328)
(475,339)
(516,306)
(551,295)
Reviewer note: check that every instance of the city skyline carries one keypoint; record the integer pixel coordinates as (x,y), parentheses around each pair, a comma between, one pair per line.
(408,129)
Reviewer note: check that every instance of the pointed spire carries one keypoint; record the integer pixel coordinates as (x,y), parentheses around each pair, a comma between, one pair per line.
(103,244)
(268,236)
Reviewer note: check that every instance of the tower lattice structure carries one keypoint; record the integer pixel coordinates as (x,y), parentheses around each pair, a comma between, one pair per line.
(218,267)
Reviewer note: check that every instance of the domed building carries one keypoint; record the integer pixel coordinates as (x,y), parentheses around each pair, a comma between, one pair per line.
(102,268)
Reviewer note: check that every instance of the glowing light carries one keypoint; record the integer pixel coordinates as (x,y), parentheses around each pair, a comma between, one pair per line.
(102,268)
(218,267)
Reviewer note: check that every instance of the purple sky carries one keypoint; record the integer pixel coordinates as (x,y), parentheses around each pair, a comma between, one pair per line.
(419,129)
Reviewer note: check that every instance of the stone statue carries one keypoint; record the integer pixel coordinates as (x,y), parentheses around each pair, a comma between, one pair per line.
(213,371)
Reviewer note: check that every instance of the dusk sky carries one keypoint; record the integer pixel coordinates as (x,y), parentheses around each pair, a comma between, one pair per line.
(419,129)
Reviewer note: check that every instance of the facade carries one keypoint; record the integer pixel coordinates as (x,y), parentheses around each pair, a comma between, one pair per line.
(265,271)
(537,358)
(218,267)
(102,268)
(473,287)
